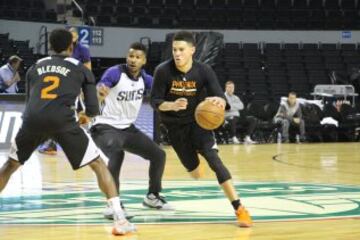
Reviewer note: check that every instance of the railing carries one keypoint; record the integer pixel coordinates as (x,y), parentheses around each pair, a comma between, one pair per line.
(146,41)
(43,41)
(327,90)
(81,11)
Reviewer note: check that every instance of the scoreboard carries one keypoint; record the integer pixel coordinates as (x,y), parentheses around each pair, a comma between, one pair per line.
(91,36)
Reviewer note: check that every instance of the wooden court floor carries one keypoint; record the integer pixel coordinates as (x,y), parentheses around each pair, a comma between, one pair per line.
(294,191)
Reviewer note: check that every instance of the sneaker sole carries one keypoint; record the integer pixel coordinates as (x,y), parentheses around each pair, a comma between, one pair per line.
(116,233)
(111,217)
(245,225)
(149,206)
(48,153)
(157,208)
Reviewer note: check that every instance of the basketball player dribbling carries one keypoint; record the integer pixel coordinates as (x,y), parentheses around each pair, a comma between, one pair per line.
(178,87)
(54,83)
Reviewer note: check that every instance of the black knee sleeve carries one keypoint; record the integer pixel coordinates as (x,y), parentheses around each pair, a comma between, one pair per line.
(156,170)
(215,163)
(161,155)
(157,160)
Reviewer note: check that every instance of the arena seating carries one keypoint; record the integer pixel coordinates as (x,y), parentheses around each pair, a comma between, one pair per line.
(225,14)
(266,71)
(30,10)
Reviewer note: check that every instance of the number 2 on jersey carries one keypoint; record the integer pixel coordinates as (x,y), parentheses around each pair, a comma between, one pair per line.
(46,92)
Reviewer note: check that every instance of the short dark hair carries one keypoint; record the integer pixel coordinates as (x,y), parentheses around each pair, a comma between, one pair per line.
(60,39)
(184,36)
(139,46)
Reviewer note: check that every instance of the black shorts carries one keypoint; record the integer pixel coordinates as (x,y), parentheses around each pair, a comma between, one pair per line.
(189,139)
(112,140)
(77,145)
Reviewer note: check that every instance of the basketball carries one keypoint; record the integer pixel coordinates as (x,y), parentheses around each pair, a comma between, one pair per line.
(208,115)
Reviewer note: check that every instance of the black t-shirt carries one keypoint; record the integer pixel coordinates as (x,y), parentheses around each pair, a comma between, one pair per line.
(170,84)
(53,85)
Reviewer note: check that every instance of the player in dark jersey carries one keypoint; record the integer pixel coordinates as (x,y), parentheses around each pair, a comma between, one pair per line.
(81,53)
(54,83)
(122,88)
(179,85)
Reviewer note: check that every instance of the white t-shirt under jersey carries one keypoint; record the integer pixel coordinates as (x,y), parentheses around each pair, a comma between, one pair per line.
(121,107)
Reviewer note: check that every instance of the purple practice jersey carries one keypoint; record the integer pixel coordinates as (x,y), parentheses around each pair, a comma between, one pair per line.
(81,53)
(122,105)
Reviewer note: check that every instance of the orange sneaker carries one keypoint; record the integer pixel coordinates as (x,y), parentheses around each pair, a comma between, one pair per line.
(243,217)
(48,148)
(121,225)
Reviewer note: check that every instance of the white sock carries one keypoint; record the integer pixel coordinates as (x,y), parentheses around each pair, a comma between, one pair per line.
(114,203)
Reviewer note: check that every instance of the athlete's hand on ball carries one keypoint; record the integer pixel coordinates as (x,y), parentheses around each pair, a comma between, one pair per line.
(180,104)
(218,101)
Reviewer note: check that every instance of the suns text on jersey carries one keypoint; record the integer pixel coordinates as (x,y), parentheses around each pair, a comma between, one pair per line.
(130,95)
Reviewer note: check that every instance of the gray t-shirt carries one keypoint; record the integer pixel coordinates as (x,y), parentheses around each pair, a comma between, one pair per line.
(235,106)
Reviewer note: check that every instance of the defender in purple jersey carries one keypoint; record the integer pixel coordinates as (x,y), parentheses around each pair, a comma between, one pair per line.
(122,89)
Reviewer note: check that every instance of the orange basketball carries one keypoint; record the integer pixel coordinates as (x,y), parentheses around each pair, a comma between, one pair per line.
(208,115)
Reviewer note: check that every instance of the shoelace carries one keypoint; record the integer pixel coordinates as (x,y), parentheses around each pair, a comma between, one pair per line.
(160,198)
(122,205)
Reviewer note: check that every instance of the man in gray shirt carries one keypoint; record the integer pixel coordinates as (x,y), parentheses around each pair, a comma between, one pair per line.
(233,115)
(9,75)
(290,114)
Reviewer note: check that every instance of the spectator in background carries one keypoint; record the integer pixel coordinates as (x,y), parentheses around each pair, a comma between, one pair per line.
(233,115)
(290,114)
(9,75)
(338,115)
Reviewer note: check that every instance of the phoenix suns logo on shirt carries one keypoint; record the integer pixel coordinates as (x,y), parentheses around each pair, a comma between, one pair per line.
(183,88)
(194,201)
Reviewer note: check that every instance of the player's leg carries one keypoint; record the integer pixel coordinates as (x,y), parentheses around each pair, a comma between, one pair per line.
(107,186)
(138,143)
(109,142)
(179,137)
(81,151)
(105,180)
(206,144)
(9,167)
(20,151)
